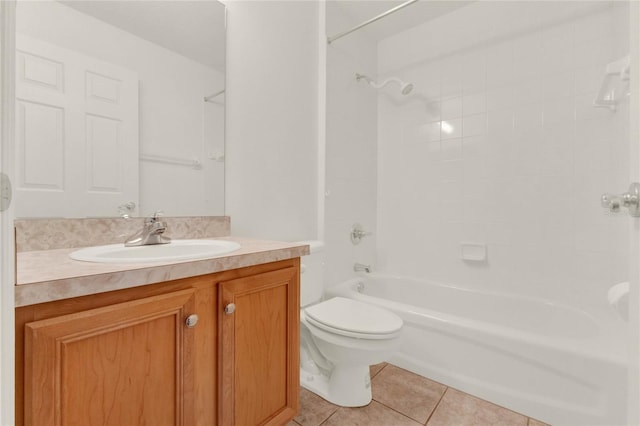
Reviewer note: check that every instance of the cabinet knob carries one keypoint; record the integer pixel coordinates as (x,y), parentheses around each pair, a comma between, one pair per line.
(191,320)
(230,308)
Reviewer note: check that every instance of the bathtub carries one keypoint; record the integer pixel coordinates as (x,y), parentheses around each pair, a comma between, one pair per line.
(542,358)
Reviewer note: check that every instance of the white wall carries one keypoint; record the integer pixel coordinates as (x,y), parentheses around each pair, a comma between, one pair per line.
(526,160)
(171,91)
(272,69)
(351,147)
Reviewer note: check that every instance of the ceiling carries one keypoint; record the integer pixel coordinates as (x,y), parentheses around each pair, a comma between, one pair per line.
(195,29)
(414,14)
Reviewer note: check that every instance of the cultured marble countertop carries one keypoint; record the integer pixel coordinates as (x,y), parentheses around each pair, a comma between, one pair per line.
(48,275)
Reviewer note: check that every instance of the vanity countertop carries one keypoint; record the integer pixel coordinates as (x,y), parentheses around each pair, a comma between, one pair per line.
(48,275)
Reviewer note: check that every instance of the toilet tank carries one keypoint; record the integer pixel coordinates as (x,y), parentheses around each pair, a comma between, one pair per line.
(312,273)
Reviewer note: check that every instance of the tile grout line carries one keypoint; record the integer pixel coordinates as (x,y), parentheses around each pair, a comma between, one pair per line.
(437,404)
(331,415)
(380,371)
(396,411)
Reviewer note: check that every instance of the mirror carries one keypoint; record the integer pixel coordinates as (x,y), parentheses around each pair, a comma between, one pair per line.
(119,108)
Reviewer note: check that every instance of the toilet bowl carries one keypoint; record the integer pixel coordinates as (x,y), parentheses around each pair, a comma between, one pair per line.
(340,339)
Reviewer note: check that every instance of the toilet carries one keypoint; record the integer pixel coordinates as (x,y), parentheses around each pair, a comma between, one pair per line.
(340,338)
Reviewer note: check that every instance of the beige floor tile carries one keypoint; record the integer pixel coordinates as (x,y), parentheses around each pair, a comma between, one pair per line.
(375,369)
(313,409)
(533,422)
(374,414)
(292,423)
(409,394)
(459,409)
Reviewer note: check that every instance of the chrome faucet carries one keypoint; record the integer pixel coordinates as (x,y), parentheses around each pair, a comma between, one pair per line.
(359,267)
(151,233)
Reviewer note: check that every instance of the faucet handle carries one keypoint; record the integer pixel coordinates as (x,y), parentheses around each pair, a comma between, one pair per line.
(154,217)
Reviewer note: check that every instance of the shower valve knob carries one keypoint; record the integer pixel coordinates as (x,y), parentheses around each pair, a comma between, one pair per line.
(611,202)
(630,200)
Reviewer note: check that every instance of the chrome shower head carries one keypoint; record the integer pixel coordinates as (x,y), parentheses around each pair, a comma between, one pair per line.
(405,88)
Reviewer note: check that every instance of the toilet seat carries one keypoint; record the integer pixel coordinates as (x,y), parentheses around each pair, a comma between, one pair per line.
(353,318)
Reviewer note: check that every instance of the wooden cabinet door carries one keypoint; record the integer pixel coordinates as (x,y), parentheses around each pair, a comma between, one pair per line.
(124,364)
(259,352)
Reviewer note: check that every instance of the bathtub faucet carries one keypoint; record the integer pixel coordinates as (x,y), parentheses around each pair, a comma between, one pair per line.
(359,267)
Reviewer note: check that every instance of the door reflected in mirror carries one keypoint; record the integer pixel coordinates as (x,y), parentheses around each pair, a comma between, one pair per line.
(119,108)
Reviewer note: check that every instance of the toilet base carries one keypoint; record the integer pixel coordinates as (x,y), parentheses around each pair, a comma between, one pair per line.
(348,386)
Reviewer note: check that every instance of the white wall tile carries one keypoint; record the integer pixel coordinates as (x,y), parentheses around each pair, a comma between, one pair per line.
(557,111)
(451,149)
(474,146)
(474,103)
(430,132)
(474,125)
(451,108)
(500,97)
(558,85)
(526,148)
(450,129)
(528,91)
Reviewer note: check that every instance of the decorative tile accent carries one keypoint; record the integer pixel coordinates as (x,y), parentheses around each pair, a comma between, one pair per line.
(313,409)
(50,234)
(460,409)
(374,414)
(406,392)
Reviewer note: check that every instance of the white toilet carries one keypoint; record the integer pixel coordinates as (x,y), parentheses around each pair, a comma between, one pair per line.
(340,338)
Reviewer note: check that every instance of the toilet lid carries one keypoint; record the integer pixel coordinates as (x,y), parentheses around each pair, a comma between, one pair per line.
(353,316)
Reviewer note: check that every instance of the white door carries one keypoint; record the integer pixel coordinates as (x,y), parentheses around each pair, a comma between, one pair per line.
(76,133)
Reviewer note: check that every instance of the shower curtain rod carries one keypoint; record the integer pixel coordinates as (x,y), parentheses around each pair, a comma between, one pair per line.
(370,21)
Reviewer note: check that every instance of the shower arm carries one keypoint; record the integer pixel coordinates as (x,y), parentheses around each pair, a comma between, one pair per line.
(375,85)
(387,81)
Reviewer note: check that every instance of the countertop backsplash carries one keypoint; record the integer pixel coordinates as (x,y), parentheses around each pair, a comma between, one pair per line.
(50,234)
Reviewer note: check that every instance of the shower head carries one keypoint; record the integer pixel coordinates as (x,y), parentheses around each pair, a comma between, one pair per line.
(405,88)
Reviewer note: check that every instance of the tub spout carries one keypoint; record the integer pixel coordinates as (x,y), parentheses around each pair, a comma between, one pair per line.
(359,267)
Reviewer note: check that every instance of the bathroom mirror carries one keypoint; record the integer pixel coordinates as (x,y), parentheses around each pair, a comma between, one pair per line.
(119,108)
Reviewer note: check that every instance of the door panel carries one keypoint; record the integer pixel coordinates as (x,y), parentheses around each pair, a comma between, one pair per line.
(77,122)
(124,364)
(260,349)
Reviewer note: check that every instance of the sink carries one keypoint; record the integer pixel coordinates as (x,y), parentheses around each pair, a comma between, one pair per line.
(175,250)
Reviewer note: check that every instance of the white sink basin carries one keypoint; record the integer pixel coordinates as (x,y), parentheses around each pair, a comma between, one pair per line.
(175,250)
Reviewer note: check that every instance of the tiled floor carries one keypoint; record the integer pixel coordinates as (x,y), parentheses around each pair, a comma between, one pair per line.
(402,398)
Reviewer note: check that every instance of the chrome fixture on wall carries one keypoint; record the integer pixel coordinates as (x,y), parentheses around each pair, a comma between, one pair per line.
(405,88)
(360,267)
(630,200)
(357,232)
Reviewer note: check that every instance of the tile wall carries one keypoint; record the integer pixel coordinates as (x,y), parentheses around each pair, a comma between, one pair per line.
(499,144)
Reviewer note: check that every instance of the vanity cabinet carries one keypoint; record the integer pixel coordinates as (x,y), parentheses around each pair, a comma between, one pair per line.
(139,356)
(259,348)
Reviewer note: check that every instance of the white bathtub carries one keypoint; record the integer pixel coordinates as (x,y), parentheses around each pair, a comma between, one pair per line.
(541,358)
